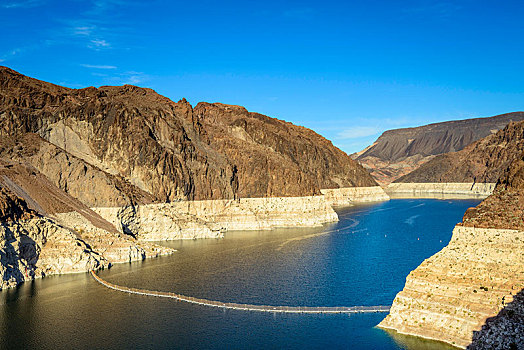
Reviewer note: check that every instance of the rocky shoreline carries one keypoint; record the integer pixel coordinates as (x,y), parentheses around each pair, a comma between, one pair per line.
(86,239)
(452,294)
(417,190)
(211,218)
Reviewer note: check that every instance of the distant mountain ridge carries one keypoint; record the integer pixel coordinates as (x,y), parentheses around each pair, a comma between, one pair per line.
(400,151)
(486,160)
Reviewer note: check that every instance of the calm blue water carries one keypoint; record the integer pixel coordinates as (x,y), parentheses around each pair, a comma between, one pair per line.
(361,260)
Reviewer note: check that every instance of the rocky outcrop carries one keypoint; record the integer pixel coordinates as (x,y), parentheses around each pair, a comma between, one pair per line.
(450,296)
(401,151)
(211,218)
(483,161)
(352,195)
(437,189)
(470,293)
(38,238)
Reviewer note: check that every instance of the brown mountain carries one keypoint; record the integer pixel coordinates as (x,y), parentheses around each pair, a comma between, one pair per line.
(137,146)
(398,152)
(69,156)
(486,160)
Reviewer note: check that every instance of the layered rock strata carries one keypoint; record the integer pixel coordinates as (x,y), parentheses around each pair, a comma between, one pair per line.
(38,239)
(451,295)
(351,195)
(470,293)
(437,189)
(484,161)
(203,219)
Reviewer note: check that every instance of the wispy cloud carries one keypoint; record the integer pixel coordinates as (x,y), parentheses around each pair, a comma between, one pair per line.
(22,4)
(99,44)
(95,66)
(128,77)
(83,30)
(434,9)
(11,53)
(356,132)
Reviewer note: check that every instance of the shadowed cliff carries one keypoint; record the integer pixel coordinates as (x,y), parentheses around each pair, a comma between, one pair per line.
(504,331)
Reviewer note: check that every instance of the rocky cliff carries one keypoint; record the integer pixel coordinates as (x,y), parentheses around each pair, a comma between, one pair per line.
(485,160)
(85,174)
(169,151)
(398,152)
(470,293)
(36,241)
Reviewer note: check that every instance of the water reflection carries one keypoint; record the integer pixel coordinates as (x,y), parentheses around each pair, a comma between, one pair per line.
(361,260)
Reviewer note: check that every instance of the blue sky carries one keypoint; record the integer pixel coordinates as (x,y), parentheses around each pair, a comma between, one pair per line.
(347,69)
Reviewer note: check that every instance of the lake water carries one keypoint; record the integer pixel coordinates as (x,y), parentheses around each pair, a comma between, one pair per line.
(361,260)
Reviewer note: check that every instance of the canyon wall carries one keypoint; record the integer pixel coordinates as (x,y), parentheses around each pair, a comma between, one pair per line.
(398,152)
(439,189)
(351,195)
(211,218)
(451,295)
(154,168)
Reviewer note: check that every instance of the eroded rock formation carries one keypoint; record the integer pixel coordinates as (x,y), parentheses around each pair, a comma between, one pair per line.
(470,293)
(401,151)
(170,150)
(85,174)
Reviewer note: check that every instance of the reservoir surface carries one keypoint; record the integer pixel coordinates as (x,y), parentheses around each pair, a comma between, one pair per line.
(362,260)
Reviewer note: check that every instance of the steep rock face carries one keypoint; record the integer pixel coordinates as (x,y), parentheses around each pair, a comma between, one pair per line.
(461,294)
(398,152)
(171,151)
(273,157)
(43,230)
(451,295)
(89,184)
(483,161)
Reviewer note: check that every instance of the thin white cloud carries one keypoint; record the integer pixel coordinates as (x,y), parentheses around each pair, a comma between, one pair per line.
(356,132)
(98,44)
(96,66)
(22,4)
(83,30)
(11,53)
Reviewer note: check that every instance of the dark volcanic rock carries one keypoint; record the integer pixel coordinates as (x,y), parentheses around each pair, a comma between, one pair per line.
(398,152)
(144,147)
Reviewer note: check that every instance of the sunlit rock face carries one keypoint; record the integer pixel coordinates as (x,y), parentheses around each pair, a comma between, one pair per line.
(169,150)
(401,151)
(151,169)
(452,294)
(470,293)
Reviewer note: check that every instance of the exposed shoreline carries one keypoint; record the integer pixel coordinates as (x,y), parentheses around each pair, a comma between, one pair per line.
(445,190)
(70,243)
(212,218)
(451,295)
